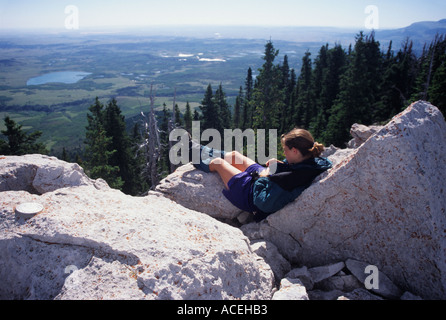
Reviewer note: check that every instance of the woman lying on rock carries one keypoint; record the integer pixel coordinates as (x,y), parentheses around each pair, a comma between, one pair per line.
(251,187)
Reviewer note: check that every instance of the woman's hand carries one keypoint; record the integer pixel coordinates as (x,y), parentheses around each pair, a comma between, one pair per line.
(272,165)
(272,161)
(264,173)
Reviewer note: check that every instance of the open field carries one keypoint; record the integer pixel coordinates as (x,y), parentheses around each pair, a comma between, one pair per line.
(121,67)
(125,65)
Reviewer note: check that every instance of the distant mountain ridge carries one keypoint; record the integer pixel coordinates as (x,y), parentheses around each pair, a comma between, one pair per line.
(428,25)
(419,32)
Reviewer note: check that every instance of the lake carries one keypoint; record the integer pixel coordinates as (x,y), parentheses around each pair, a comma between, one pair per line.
(67,77)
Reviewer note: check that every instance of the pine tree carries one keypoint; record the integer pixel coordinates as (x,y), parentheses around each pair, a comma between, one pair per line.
(359,91)
(115,128)
(429,84)
(178,117)
(288,122)
(237,119)
(329,67)
(4,147)
(188,118)
(222,110)
(389,96)
(98,148)
(19,142)
(290,102)
(288,81)
(79,160)
(197,116)
(423,65)
(318,88)
(398,81)
(305,109)
(209,113)
(99,159)
(319,73)
(437,91)
(164,123)
(247,107)
(267,96)
(64,155)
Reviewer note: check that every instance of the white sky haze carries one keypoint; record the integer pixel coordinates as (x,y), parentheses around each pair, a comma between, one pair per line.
(36,14)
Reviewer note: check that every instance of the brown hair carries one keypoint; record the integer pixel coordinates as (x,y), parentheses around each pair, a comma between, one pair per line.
(303,141)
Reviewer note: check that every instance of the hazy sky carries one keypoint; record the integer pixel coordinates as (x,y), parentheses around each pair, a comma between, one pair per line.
(103,13)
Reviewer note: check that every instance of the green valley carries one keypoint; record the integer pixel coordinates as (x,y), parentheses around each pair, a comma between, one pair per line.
(122,67)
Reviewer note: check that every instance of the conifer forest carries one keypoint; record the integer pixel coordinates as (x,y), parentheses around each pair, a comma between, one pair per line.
(333,90)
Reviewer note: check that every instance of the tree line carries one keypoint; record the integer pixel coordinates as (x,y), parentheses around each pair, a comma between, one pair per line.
(339,87)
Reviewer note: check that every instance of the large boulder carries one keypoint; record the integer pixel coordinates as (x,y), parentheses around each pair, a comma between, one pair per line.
(384,204)
(39,174)
(361,133)
(94,242)
(197,190)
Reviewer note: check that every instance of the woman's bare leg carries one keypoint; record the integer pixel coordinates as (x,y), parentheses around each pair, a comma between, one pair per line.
(225,170)
(239,161)
(232,164)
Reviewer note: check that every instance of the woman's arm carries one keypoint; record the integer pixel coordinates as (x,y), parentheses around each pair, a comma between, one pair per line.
(271,161)
(274,166)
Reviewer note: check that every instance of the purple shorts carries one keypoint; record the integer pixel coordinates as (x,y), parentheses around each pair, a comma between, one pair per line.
(240,189)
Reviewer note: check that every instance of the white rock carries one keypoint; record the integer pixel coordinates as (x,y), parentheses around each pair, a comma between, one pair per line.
(336,155)
(245,217)
(321,273)
(325,295)
(199,191)
(361,133)
(385,287)
(288,248)
(384,203)
(103,244)
(291,289)
(344,283)
(39,174)
(303,275)
(272,257)
(359,294)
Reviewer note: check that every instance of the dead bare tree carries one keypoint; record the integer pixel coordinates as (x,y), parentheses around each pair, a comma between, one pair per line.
(151,144)
(171,126)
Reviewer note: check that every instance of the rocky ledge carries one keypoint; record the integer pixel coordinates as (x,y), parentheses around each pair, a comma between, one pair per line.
(383,203)
(373,227)
(93,242)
